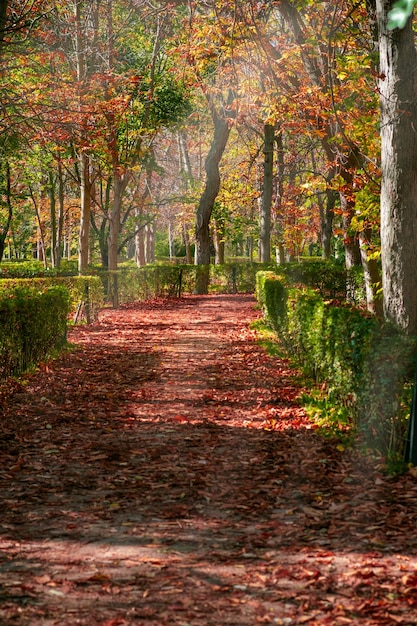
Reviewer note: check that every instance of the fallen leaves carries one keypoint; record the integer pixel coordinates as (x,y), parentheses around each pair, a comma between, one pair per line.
(164,472)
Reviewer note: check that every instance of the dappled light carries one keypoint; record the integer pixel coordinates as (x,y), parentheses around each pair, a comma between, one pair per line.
(165,472)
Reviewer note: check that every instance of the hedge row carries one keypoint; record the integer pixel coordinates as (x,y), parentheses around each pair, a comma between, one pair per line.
(33,325)
(83,290)
(129,285)
(363,366)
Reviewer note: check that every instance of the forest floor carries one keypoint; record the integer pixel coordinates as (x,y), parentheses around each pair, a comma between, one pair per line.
(164,473)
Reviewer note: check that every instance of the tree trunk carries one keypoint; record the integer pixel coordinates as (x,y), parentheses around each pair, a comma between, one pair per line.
(61,216)
(279,195)
(397,86)
(5,229)
(219,241)
(84,235)
(371,276)
(326,209)
(186,239)
(52,208)
(171,239)
(3,22)
(119,186)
(265,221)
(149,243)
(351,241)
(208,197)
(140,240)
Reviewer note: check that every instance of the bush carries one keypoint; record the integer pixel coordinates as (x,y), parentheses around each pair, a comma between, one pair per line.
(36,269)
(365,369)
(385,395)
(154,281)
(33,325)
(329,342)
(326,277)
(271,293)
(82,289)
(235,277)
(144,283)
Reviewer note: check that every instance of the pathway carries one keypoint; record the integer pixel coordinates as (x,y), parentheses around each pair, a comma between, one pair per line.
(164,474)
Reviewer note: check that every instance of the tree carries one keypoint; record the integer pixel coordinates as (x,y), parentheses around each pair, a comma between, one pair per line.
(221,122)
(398,88)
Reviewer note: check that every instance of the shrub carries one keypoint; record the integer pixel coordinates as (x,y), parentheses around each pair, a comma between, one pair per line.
(365,369)
(33,325)
(326,277)
(272,294)
(82,289)
(385,395)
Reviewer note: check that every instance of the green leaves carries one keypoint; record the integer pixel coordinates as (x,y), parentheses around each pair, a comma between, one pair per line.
(399,14)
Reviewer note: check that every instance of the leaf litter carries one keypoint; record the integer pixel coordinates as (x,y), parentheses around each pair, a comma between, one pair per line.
(163,472)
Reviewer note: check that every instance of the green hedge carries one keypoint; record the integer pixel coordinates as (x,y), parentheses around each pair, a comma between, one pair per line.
(82,289)
(33,325)
(153,281)
(366,368)
(271,293)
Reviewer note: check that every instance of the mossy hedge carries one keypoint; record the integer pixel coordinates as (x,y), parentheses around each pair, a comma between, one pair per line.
(33,326)
(363,366)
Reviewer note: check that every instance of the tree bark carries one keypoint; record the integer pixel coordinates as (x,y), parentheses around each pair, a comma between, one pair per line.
(119,186)
(371,277)
(326,222)
(397,87)
(3,22)
(84,234)
(209,195)
(265,221)
(5,230)
(60,217)
(219,241)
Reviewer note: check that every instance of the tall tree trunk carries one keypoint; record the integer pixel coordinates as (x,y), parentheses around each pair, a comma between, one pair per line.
(140,257)
(3,22)
(84,234)
(351,241)
(83,161)
(119,186)
(149,243)
(61,216)
(52,208)
(279,195)
(326,222)
(171,239)
(265,221)
(5,229)
(209,195)
(219,241)
(371,276)
(186,239)
(398,88)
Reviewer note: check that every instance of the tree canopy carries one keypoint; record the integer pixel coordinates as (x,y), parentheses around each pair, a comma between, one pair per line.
(130,129)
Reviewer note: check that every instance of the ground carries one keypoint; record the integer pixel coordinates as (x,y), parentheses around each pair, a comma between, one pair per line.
(164,473)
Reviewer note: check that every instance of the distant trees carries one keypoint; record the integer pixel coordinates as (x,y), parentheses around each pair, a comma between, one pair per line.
(236,127)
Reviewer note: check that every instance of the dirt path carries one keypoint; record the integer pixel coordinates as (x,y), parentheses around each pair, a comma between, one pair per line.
(163,474)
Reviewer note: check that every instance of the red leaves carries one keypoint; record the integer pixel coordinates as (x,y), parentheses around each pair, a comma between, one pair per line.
(169,476)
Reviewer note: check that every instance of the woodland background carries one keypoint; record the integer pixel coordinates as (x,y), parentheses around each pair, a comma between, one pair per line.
(113,113)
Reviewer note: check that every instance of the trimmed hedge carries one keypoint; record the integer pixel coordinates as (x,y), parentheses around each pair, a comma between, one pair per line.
(153,281)
(364,366)
(33,325)
(82,289)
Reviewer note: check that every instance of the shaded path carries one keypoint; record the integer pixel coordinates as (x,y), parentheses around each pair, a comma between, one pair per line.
(163,473)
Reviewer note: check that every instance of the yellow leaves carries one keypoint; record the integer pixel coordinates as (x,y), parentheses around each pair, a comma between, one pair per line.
(342,75)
